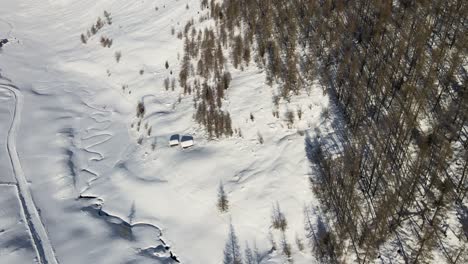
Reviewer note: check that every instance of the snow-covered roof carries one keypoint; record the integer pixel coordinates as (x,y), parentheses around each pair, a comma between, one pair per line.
(174,140)
(186,141)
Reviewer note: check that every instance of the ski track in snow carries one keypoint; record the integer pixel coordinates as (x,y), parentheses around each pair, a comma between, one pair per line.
(45,251)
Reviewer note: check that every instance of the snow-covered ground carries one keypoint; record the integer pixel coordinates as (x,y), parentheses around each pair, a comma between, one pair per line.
(101,196)
(15,241)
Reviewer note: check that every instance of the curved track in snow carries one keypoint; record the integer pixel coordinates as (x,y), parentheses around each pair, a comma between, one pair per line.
(45,251)
(10,26)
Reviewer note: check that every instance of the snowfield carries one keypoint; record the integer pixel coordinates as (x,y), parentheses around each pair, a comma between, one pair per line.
(96,194)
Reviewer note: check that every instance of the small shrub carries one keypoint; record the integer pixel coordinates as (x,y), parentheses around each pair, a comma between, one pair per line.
(142,71)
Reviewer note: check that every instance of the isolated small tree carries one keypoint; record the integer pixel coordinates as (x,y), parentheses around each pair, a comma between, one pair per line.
(260,138)
(167,65)
(299,243)
(278,219)
(103,41)
(173,84)
(249,255)
(106,42)
(108,17)
(271,238)
(286,247)
(93,30)
(289,118)
(99,23)
(153,145)
(223,203)
(257,255)
(83,39)
(140,110)
(131,215)
(232,251)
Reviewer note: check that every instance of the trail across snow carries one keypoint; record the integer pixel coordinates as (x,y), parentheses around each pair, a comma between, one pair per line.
(39,235)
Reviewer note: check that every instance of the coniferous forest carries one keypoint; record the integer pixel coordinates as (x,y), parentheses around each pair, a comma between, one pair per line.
(396,72)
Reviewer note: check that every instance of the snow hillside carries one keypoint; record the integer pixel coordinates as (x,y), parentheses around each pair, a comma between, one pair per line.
(110,190)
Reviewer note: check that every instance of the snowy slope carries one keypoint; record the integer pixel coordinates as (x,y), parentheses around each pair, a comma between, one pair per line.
(138,205)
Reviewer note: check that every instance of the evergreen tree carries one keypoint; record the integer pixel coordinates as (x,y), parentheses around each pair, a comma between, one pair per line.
(249,255)
(232,251)
(278,219)
(286,247)
(223,203)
